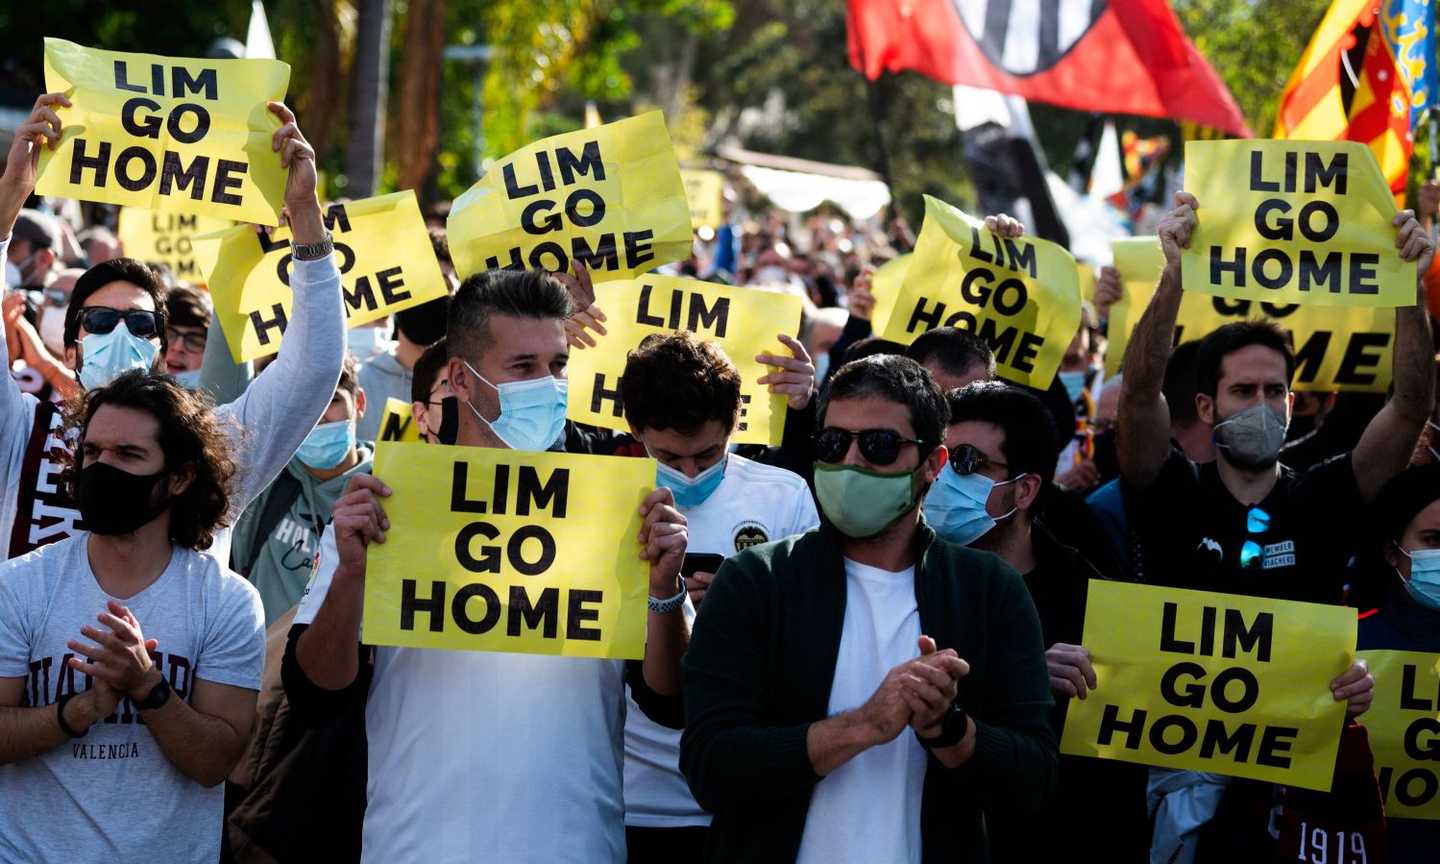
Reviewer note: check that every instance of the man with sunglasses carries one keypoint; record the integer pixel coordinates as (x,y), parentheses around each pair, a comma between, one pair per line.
(1246,524)
(860,692)
(116,322)
(989,497)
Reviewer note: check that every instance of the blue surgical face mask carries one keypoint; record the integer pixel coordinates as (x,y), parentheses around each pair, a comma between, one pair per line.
(189,379)
(106,356)
(364,342)
(690,491)
(1424,581)
(327,445)
(955,506)
(1074,384)
(532,413)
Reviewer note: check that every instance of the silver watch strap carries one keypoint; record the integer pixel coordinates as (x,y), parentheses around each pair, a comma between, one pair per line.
(313,251)
(670,604)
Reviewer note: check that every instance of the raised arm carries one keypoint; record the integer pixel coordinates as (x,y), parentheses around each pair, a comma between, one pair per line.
(280,408)
(1385,447)
(1144,423)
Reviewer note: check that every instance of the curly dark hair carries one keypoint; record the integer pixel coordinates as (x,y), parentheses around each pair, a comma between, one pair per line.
(677,381)
(190,434)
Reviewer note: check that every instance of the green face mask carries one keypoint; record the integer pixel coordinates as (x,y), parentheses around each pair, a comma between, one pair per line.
(862,503)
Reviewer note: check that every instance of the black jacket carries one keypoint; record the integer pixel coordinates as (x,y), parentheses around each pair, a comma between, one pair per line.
(759,669)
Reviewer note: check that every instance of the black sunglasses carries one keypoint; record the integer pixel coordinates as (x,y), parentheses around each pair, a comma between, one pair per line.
(878,446)
(102,319)
(967,459)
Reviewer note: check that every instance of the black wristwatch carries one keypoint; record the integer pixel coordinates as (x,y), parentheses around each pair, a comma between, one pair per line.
(60,716)
(952,730)
(156,698)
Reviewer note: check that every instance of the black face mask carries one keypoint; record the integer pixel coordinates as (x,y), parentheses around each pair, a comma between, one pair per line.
(114,502)
(449,429)
(425,324)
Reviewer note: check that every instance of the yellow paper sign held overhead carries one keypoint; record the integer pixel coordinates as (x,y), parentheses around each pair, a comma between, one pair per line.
(1336,349)
(742,321)
(381,247)
(502,550)
(167,238)
(179,135)
(1404,728)
(1021,296)
(705,190)
(610,196)
(1293,222)
(1213,682)
(396,424)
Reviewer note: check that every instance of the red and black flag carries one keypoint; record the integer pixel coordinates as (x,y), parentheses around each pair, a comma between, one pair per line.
(1110,56)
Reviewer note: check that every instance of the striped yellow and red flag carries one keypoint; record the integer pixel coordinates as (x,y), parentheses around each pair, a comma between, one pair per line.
(1313,104)
(1394,84)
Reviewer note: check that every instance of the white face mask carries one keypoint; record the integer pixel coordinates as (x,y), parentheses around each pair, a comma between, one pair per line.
(12,275)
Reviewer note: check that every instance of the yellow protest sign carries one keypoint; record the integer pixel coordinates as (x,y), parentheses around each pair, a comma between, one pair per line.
(705,191)
(1404,727)
(1293,222)
(1019,296)
(167,238)
(610,196)
(179,135)
(742,321)
(502,550)
(885,284)
(381,247)
(1335,348)
(1213,682)
(396,424)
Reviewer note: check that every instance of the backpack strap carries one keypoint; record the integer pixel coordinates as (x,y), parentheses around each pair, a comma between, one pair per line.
(283,493)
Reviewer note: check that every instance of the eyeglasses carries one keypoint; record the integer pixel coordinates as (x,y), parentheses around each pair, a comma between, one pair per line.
(194,340)
(967,459)
(102,319)
(878,446)
(1257,521)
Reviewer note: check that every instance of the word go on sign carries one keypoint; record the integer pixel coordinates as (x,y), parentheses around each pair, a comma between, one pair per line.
(1305,222)
(1212,682)
(609,196)
(523,552)
(382,251)
(169,134)
(1020,296)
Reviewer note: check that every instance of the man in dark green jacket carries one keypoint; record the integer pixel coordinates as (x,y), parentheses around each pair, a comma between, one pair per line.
(860,693)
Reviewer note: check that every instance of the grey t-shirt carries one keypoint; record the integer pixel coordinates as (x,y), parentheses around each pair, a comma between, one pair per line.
(112,795)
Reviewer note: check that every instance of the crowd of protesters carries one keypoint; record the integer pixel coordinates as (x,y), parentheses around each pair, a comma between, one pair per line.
(860,643)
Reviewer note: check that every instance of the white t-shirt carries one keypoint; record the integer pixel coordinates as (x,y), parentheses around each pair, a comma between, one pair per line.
(486,756)
(754,504)
(112,795)
(868,809)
